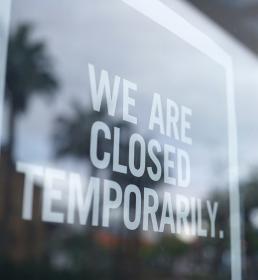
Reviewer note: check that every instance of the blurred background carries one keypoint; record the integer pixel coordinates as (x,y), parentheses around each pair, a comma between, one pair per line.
(47,120)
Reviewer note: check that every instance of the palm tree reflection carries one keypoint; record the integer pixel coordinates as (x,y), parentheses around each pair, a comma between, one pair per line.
(29,72)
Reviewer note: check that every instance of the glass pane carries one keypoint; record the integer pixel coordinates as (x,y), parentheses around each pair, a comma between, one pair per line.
(118,140)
